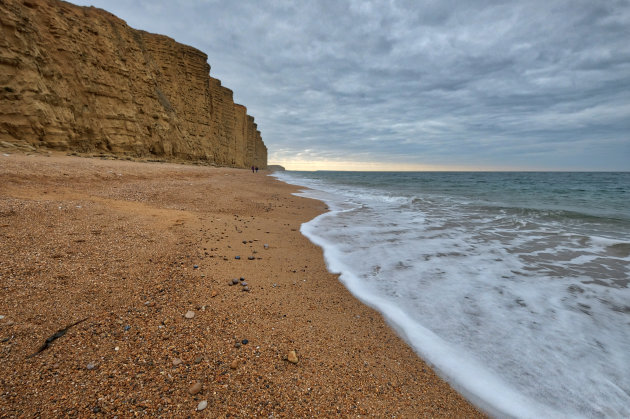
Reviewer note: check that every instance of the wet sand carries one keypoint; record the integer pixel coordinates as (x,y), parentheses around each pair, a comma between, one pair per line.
(133,248)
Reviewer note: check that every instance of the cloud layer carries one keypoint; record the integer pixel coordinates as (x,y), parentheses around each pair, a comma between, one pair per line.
(478,84)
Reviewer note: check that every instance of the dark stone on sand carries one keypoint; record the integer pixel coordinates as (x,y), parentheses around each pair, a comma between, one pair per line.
(235,281)
(195,267)
(250,257)
(244,284)
(237,257)
(242,279)
(246,289)
(244,341)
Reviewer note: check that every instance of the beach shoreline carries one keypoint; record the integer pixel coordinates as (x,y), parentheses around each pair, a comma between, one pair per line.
(145,253)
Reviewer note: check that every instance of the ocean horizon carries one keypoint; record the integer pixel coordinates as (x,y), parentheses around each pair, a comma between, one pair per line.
(512,285)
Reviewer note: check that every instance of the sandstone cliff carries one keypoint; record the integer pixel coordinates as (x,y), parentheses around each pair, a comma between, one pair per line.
(79,79)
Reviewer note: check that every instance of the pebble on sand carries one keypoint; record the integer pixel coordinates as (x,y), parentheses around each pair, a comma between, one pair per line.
(234,364)
(237,257)
(292,357)
(177,361)
(235,281)
(195,388)
(214,294)
(189,314)
(202,405)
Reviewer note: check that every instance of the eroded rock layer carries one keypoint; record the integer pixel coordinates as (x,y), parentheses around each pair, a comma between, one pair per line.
(79,79)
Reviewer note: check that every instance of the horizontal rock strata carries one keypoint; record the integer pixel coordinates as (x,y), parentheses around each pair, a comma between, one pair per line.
(80,79)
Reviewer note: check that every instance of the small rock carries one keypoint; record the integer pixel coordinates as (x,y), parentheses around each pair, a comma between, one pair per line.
(214,294)
(237,257)
(195,266)
(292,357)
(244,341)
(117,348)
(235,281)
(198,359)
(246,289)
(90,366)
(266,246)
(242,279)
(250,258)
(177,361)
(244,241)
(195,388)
(189,314)
(244,284)
(1,317)
(202,405)
(234,364)
(237,345)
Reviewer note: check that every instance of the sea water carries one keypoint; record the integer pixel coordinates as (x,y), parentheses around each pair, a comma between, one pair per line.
(513,286)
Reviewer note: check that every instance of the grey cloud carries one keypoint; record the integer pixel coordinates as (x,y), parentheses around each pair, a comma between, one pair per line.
(443,82)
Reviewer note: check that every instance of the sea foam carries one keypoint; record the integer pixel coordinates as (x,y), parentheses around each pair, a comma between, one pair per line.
(523,311)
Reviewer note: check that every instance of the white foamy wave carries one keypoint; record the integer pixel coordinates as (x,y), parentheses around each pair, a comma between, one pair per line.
(465,373)
(524,317)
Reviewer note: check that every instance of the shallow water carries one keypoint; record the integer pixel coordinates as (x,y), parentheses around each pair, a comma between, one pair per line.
(513,285)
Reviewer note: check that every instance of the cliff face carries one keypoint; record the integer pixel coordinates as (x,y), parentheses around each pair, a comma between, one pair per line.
(80,79)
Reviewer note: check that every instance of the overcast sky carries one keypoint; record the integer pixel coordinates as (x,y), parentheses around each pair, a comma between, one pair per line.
(417,84)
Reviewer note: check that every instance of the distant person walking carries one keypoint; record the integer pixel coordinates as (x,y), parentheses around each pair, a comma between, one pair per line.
(252,169)
(256,169)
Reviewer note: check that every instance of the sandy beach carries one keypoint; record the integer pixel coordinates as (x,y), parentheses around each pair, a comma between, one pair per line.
(143,256)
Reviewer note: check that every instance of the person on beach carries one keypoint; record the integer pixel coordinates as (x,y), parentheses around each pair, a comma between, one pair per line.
(256,169)
(252,169)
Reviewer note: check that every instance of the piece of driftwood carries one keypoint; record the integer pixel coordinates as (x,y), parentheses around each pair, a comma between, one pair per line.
(55,336)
